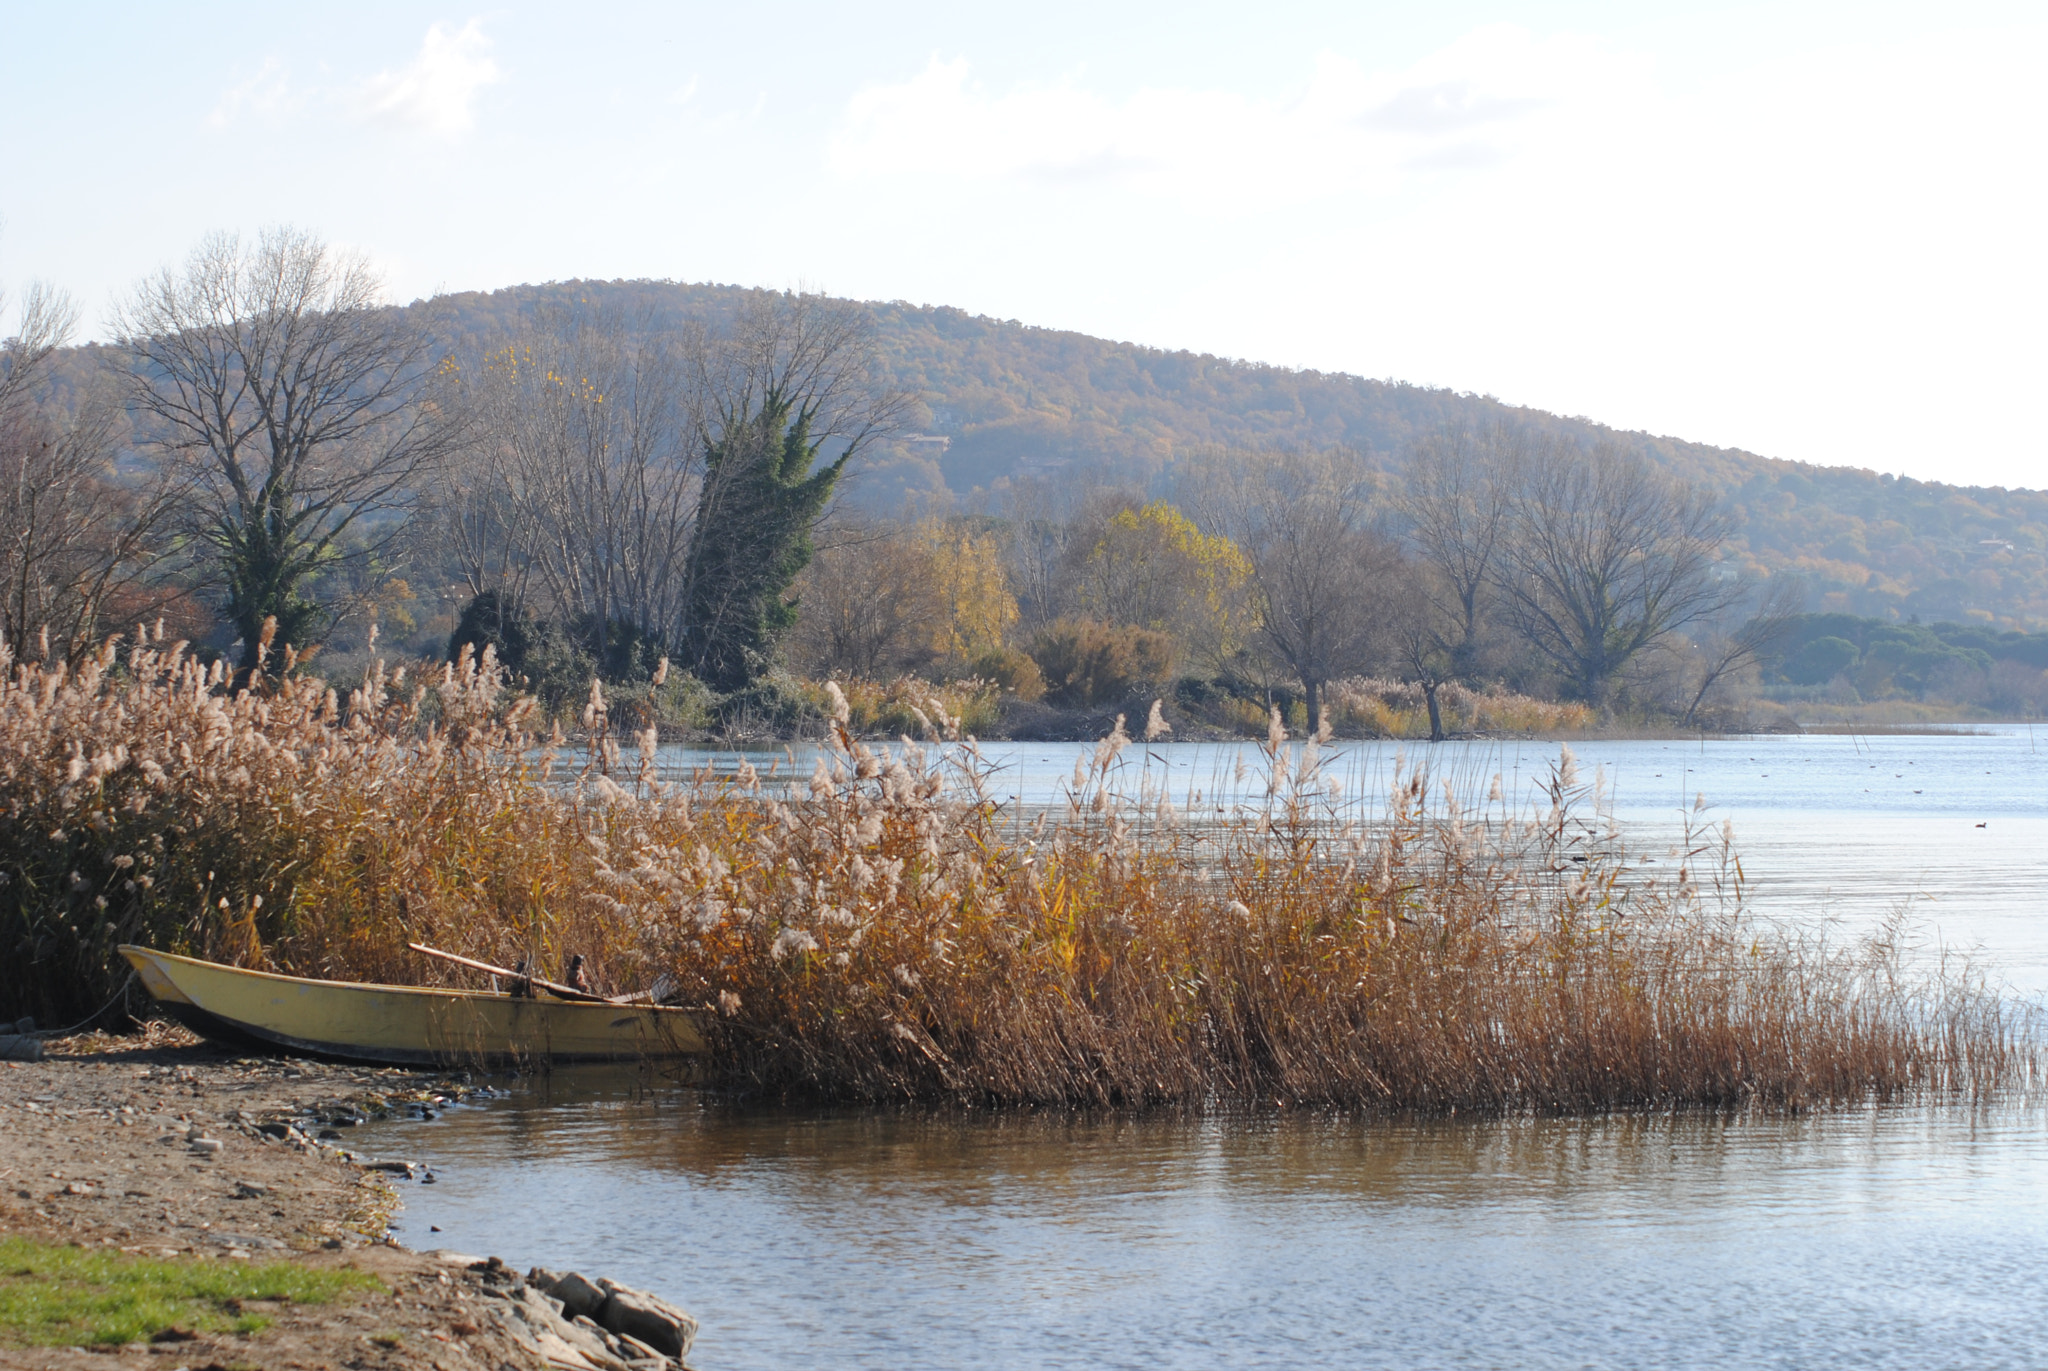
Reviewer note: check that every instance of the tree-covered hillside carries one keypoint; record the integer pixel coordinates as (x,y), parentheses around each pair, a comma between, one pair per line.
(1006,400)
(1003,401)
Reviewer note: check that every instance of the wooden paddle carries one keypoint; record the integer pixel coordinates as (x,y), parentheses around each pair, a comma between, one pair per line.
(558,990)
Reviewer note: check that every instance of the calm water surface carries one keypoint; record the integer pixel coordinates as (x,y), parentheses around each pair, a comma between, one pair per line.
(865,1240)
(1881,1238)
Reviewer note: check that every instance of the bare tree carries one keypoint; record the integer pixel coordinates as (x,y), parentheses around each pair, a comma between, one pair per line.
(1725,653)
(1455,496)
(872,603)
(76,544)
(583,477)
(298,406)
(1040,522)
(1053,528)
(1426,632)
(1603,557)
(48,318)
(472,515)
(1301,518)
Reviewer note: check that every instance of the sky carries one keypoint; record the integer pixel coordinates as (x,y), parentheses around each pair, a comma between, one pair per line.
(1814,231)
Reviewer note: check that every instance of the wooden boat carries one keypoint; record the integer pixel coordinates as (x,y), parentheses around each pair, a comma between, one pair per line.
(407,1025)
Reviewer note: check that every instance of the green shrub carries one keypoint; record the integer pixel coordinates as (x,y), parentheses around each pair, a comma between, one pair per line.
(1821,660)
(681,701)
(539,658)
(773,706)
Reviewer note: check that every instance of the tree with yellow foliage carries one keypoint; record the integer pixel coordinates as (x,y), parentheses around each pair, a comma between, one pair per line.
(967,567)
(1154,568)
(883,599)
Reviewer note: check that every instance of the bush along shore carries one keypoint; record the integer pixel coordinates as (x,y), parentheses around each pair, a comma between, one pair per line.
(782,707)
(164,1195)
(883,929)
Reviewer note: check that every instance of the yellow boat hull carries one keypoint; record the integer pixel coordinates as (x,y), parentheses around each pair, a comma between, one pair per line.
(406,1025)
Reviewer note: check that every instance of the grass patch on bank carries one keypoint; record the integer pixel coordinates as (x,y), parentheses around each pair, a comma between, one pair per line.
(57,1295)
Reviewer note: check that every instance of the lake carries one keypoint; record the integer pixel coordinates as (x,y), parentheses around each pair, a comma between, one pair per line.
(1893,1237)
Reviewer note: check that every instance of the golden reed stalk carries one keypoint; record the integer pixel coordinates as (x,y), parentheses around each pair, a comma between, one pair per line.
(884,929)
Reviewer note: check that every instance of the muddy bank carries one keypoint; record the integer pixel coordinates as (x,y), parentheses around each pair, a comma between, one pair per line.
(160,1146)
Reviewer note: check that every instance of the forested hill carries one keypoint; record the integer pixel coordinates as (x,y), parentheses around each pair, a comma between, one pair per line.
(1004,401)
(1009,400)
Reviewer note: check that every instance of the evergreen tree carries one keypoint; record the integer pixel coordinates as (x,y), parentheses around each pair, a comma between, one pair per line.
(760,500)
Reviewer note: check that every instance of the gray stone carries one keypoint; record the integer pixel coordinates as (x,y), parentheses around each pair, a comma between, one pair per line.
(593,1342)
(647,1318)
(635,1350)
(450,1257)
(579,1295)
(254,1240)
(559,1342)
(535,1307)
(16,1048)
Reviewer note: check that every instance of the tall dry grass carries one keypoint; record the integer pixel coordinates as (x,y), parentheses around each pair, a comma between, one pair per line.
(1376,707)
(904,704)
(143,800)
(880,928)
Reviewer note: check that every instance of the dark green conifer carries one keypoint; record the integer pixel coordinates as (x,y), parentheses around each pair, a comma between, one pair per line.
(761,496)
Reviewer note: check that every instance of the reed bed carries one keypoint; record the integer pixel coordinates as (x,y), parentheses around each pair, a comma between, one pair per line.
(890,708)
(1378,708)
(881,928)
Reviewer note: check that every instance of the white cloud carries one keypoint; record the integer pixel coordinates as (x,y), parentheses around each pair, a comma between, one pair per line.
(1447,107)
(437,92)
(1475,103)
(266,93)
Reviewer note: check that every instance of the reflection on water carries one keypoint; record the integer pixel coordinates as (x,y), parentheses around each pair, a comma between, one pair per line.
(809,1238)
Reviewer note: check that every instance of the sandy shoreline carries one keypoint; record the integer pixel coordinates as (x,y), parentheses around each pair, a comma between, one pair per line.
(104,1144)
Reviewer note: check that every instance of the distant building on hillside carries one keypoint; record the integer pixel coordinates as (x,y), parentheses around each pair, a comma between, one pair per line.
(930,446)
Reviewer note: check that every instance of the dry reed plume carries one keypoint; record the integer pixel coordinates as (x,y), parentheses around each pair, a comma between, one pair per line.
(890,708)
(883,929)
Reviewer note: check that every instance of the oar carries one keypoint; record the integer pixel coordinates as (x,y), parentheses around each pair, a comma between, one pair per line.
(565,992)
